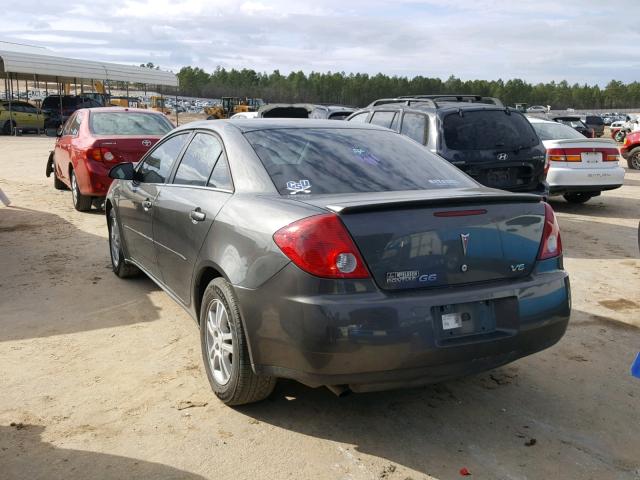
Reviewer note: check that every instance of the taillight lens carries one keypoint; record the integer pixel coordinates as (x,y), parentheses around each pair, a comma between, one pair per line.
(575,154)
(551,244)
(100,154)
(320,245)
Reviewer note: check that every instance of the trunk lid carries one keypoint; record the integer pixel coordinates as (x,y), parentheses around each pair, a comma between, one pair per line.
(426,241)
(126,148)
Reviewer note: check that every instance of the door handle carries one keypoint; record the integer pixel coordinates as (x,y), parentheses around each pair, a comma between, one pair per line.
(146,205)
(197,215)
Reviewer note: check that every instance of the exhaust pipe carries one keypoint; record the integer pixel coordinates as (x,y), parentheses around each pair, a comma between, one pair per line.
(339,390)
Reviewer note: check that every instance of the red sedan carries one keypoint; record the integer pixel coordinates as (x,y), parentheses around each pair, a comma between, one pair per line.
(95,139)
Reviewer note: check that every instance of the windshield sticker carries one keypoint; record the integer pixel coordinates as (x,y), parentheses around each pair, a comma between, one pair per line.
(444,182)
(301,186)
(365,156)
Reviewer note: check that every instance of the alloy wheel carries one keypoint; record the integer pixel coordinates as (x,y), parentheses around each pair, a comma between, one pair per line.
(74,188)
(635,161)
(114,236)
(219,342)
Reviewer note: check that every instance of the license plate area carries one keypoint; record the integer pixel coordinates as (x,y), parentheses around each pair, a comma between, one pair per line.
(499,177)
(479,318)
(591,157)
(463,319)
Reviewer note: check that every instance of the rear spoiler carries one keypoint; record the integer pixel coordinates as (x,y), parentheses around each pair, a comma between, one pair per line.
(493,198)
(589,140)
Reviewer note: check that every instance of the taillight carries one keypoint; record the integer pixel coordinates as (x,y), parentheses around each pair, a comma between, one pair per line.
(320,245)
(551,244)
(563,155)
(610,155)
(100,154)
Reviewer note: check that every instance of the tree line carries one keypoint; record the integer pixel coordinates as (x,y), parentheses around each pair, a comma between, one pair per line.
(360,89)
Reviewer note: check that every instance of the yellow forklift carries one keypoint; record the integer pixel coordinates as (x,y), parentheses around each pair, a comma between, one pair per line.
(232,105)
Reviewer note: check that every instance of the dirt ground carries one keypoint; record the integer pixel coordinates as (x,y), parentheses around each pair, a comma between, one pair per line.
(102,378)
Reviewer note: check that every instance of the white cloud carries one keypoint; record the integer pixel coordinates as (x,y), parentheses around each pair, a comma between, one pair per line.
(578,40)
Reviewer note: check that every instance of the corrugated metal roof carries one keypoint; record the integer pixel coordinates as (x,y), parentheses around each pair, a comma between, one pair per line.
(25,61)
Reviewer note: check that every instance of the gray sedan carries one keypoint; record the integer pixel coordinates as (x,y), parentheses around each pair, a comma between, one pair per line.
(337,254)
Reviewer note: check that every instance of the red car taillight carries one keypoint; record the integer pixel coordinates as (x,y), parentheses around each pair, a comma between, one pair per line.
(320,245)
(575,154)
(551,243)
(100,154)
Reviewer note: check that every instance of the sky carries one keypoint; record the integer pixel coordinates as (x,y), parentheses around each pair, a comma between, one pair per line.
(581,41)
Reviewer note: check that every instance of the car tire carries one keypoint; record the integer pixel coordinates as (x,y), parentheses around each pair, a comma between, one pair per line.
(6,128)
(81,202)
(225,351)
(118,263)
(578,197)
(634,159)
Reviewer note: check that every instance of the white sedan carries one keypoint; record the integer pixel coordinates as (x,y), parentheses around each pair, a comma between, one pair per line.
(578,167)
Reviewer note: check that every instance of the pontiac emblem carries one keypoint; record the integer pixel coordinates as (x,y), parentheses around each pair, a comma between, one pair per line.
(464,237)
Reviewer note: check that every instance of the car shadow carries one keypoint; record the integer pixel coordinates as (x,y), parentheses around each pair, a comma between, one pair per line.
(56,278)
(601,206)
(485,422)
(24,455)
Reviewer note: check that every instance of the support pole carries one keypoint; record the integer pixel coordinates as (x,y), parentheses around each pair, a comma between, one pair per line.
(177,121)
(11,129)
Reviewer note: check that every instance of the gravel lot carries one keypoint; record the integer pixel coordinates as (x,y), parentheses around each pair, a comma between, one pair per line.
(102,378)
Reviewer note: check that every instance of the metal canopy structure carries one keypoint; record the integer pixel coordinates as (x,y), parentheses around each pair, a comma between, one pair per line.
(26,62)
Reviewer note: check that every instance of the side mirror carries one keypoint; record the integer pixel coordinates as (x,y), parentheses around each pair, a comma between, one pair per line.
(123,171)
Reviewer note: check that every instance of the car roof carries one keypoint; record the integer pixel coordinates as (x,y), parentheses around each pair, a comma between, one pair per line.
(427,106)
(252,124)
(123,109)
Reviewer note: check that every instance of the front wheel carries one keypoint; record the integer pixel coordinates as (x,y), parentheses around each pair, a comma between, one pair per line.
(224,349)
(634,159)
(81,202)
(577,197)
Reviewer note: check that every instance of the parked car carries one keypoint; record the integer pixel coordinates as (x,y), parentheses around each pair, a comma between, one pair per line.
(537,109)
(495,145)
(575,123)
(579,168)
(285,110)
(59,109)
(395,269)
(245,115)
(630,149)
(331,112)
(595,123)
(95,139)
(20,115)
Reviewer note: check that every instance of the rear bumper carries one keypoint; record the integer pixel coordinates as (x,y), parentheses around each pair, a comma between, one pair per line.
(563,179)
(354,334)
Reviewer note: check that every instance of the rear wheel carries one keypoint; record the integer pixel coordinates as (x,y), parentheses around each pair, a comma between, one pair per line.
(579,197)
(6,128)
(81,202)
(118,264)
(224,349)
(634,159)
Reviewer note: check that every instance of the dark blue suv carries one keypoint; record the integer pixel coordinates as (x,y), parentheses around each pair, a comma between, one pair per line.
(495,145)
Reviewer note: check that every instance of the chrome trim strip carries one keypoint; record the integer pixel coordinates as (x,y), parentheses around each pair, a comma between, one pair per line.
(139,233)
(172,251)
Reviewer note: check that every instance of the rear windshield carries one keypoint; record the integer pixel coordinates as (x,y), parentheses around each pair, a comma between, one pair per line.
(488,130)
(128,123)
(593,120)
(555,131)
(321,161)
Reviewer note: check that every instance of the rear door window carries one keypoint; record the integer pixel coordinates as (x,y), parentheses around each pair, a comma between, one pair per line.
(384,118)
(323,161)
(359,118)
(221,176)
(488,130)
(157,165)
(414,126)
(198,160)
